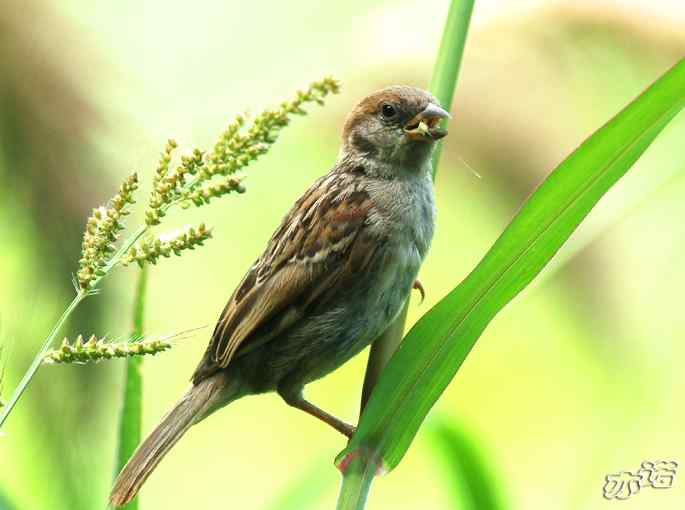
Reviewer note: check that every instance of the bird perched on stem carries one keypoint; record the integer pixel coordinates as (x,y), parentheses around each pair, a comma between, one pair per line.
(335,274)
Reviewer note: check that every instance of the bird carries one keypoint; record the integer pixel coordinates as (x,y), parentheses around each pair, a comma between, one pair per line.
(333,277)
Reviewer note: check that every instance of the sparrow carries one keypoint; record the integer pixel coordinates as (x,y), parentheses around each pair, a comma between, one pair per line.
(333,277)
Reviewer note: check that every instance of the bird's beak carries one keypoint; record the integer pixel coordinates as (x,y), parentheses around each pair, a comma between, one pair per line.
(425,126)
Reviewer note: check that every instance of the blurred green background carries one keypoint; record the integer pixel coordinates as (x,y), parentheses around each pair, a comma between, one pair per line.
(575,380)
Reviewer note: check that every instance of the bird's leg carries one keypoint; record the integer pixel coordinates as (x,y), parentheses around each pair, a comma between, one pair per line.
(297,400)
(418,286)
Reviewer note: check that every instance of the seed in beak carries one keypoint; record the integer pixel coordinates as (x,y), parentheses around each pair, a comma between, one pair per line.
(422,128)
(425,126)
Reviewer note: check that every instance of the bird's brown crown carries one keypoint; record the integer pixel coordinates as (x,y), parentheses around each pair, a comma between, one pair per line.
(410,101)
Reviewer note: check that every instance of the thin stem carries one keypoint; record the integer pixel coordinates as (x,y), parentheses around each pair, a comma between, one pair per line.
(123,249)
(356,483)
(448,63)
(47,345)
(37,361)
(130,427)
(380,353)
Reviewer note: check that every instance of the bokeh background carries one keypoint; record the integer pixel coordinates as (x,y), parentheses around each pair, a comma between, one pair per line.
(578,378)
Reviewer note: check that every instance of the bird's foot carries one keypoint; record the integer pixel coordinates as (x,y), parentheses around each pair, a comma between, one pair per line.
(295,399)
(418,286)
(346,429)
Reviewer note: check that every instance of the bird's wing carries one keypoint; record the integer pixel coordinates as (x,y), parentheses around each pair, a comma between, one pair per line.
(320,245)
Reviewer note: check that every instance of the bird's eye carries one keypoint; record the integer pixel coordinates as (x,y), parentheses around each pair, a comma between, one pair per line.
(388,111)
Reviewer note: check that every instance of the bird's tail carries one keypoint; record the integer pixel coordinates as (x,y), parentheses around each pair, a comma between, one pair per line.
(202,399)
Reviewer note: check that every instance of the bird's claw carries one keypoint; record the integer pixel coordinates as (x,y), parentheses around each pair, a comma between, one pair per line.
(418,286)
(348,430)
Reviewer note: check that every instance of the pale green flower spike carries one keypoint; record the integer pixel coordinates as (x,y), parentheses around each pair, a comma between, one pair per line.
(165,246)
(94,350)
(102,230)
(240,144)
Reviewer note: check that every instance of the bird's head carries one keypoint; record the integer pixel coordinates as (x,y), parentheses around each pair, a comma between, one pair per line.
(396,126)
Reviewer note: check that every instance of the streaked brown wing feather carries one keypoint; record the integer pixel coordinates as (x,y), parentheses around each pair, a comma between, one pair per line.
(321,242)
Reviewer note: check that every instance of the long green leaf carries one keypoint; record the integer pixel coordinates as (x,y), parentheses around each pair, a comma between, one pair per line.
(436,346)
(471,478)
(130,427)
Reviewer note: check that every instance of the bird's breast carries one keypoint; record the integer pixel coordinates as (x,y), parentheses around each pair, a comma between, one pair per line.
(405,212)
(406,218)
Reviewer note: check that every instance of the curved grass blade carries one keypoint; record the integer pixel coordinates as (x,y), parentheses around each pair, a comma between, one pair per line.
(436,346)
(472,480)
(130,427)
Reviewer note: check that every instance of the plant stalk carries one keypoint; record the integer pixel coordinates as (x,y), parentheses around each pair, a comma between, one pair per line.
(49,341)
(448,63)
(130,427)
(35,364)
(356,483)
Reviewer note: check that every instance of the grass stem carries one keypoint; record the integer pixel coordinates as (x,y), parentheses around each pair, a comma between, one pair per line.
(448,63)
(130,426)
(356,483)
(38,359)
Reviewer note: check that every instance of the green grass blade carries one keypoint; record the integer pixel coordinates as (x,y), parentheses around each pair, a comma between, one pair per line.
(448,63)
(436,346)
(473,483)
(132,412)
(381,352)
